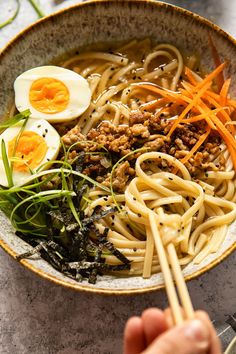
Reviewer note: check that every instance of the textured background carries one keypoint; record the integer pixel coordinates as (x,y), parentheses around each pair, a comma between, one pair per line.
(38,317)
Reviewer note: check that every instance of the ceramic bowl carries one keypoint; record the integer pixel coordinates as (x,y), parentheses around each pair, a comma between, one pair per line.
(232,347)
(109,21)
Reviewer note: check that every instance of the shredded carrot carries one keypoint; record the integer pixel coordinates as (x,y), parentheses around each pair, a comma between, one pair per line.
(196,146)
(154,104)
(159,91)
(224,92)
(201,116)
(190,76)
(211,76)
(217,61)
(198,102)
(188,108)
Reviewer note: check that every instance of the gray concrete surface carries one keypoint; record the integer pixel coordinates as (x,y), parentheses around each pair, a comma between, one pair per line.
(38,317)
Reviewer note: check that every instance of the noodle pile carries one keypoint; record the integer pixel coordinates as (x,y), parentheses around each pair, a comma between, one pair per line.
(192,214)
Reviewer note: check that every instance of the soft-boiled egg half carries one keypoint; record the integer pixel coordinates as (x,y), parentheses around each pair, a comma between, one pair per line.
(52,93)
(27,150)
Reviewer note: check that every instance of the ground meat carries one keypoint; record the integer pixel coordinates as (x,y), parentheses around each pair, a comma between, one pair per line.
(144,130)
(118,139)
(120,177)
(73,136)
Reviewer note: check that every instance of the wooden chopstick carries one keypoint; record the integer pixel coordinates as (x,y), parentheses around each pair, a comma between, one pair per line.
(172,295)
(180,282)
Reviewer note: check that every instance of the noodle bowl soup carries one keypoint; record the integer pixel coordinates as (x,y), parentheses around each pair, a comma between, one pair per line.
(154,135)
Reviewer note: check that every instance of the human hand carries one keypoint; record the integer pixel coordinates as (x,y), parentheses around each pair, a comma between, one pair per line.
(153,333)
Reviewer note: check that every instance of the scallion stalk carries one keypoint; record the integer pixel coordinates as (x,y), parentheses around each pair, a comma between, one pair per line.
(6,164)
(37,8)
(11,19)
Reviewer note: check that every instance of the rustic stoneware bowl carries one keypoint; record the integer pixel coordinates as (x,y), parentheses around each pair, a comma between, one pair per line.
(232,347)
(101,21)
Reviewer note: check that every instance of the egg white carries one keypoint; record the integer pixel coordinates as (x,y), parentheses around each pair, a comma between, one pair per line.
(41,127)
(78,87)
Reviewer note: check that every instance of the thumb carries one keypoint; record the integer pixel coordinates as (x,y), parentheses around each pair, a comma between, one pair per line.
(190,338)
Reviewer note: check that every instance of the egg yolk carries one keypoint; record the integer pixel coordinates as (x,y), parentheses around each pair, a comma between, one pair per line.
(29,151)
(49,95)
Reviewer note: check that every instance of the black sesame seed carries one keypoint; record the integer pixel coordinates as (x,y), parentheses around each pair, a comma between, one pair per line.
(39,126)
(113,217)
(44,135)
(161,223)
(134,198)
(46,130)
(135,249)
(170,178)
(139,215)
(112,224)
(112,69)
(139,77)
(22,156)
(134,77)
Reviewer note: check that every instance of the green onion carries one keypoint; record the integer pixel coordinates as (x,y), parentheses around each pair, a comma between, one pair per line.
(18,138)
(69,199)
(6,164)
(42,197)
(11,19)
(37,8)
(16,119)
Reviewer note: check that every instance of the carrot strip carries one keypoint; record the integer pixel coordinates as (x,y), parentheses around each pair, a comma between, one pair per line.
(154,104)
(221,129)
(202,116)
(159,91)
(196,146)
(211,76)
(224,92)
(190,76)
(217,61)
(188,108)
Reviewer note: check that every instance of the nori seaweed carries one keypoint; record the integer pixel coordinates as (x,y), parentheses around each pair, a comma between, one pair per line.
(73,252)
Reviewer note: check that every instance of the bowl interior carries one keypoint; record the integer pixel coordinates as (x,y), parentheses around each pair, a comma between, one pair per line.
(109,21)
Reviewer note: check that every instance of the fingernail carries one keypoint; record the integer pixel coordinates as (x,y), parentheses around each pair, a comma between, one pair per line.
(198,332)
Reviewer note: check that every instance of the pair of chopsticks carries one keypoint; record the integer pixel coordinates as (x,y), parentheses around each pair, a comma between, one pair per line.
(172,272)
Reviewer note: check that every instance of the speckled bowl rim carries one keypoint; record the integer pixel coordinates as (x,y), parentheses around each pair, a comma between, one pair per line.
(231,346)
(86,288)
